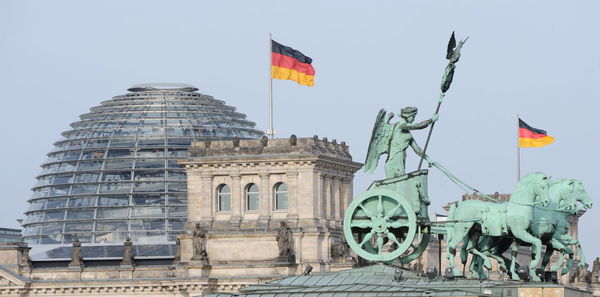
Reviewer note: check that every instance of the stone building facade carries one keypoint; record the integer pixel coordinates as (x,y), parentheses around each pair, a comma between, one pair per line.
(242,191)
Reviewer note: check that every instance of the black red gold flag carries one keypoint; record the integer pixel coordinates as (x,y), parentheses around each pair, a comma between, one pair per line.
(291,64)
(533,137)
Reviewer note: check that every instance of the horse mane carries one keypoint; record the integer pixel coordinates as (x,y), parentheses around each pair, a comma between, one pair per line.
(524,183)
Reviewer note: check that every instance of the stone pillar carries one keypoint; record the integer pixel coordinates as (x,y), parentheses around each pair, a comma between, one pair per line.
(327,196)
(346,199)
(265,197)
(194,186)
(336,198)
(292,181)
(207,206)
(236,197)
(318,195)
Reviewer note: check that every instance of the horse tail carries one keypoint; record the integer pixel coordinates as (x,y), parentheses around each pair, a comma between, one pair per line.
(450,226)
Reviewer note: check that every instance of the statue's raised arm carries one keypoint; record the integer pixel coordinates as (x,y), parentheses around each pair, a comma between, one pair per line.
(380,140)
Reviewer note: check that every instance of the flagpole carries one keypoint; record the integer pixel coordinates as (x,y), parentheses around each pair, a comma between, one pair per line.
(271,131)
(518,152)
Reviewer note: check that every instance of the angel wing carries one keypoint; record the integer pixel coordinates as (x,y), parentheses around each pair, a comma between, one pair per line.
(380,140)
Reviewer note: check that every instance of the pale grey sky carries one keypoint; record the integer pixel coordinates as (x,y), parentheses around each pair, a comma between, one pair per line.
(537,58)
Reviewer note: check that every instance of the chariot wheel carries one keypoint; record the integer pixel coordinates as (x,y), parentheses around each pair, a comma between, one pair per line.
(376,220)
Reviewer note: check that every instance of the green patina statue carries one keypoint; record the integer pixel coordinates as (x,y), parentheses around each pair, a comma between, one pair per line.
(393,140)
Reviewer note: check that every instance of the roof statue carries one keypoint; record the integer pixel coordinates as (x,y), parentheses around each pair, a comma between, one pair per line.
(393,140)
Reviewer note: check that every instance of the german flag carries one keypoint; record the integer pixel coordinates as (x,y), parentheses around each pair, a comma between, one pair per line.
(291,64)
(532,137)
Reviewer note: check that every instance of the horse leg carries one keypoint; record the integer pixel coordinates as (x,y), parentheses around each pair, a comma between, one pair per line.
(536,247)
(568,240)
(561,247)
(513,261)
(464,253)
(453,241)
(569,252)
(547,255)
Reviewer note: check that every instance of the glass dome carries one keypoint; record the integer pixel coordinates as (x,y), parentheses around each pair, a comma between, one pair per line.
(115,174)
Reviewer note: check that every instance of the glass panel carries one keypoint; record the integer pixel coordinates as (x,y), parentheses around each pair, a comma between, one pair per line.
(37,205)
(107,237)
(34,217)
(151,237)
(59,191)
(148,212)
(84,189)
(123,142)
(149,175)
(177,176)
(113,188)
(115,176)
(150,163)
(63,179)
(152,142)
(32,230)
(113,201)
(177,199)
(177,211)
(111,226)
(176,187)
(90,165)
(82,202)
(224,198)
(55,215)
(118,164)
(52,228)
(69,166)
(148,199)
(178,153)
(86,177)
(56,203)
(120,153)
(155,224)
(252,197)
(150,153)
(82,237)
(44,181)
(95,154)
(179,141)
(149,187)
(97,143)
(80,214)
(51,239)
(43,192)
(281,196)
(176,224)
(78,227)
(112,213)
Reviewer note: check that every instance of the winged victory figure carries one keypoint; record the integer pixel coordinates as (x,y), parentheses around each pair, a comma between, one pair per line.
(393,140)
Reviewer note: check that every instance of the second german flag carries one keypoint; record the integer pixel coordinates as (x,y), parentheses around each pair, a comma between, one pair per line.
(533,137)
(291,64)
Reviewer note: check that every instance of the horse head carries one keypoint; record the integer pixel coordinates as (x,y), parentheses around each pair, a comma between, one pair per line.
(541,187)
(582,195)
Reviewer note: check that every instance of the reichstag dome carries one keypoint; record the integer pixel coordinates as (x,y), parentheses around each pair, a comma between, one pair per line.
(114,174)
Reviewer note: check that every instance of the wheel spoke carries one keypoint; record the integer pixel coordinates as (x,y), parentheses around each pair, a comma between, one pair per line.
(399,224)
(393,211)
(393,238)
(366,211)
(362,224)
(366,239)
(380,244)
(380,206)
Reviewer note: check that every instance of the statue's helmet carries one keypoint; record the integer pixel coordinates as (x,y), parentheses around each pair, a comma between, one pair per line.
(408,111)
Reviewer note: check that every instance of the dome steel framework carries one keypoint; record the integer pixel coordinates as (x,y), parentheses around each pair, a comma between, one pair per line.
(115,175)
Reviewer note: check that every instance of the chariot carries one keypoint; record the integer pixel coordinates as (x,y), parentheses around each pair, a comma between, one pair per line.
(390,220)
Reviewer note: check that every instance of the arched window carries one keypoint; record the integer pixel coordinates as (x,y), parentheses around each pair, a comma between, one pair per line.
(281,196)
(252,197)
(223,198)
